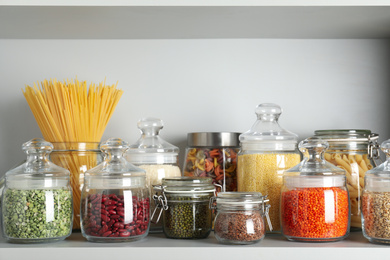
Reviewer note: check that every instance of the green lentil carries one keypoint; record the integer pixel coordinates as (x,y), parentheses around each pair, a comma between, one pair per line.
(187,217)
(25,215)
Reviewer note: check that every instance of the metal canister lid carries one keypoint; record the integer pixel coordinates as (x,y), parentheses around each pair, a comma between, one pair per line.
(214,139)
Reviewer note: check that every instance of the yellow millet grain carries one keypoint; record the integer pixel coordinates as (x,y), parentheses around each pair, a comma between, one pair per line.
(264,173)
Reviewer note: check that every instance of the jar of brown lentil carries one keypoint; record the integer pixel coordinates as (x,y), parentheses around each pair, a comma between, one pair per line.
(355,151)
(376,201)
(240,217)
(267,150)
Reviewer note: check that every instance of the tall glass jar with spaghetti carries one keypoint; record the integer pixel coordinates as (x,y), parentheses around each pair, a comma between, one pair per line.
(267,150)
(154,155)
(355,151)
(77,157)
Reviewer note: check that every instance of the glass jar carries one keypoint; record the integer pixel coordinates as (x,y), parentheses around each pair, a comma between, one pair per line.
(376,201)
(354,151)
(184,202)
(213,155)
(154,155)
(37,198)
(314,203)
(240,217)
(77,157)
(115,204)
(267,150)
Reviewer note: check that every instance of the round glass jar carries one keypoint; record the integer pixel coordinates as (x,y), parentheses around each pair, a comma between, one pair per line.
(77,157)
(354,151)
(314,203)
(376,201)
(267,150)
(184,202)
(36,201)
(240,217)
(154,155)
(115,204)
(213,155)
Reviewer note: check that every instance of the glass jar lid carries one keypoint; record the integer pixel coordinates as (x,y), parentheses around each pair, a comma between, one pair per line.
(344,135)
(240,198)
(213,139)
(266,133)
(314,170)
(150,148)
(115,171)
(38,171)
(187,184)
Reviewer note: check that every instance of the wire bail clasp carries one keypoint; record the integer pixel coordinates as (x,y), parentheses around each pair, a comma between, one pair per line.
(160,201)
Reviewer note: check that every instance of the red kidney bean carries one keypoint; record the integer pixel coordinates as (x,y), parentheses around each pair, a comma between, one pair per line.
(105,216)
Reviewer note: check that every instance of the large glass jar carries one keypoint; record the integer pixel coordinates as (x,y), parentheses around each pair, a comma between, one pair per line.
(77,157)
(184,202)
(213,155)
(240,217)
(156,156)
(267,150)
(115,204)
(376,201)
(314,203)
(37,198)
(355,152)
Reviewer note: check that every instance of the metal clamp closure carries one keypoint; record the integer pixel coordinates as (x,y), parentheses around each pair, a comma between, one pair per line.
(266,211)
(161,204)
(373,149)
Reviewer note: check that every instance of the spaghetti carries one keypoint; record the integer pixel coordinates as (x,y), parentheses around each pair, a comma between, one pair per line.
(69,113)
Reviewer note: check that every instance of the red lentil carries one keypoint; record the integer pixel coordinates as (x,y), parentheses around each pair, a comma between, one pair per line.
(305,213)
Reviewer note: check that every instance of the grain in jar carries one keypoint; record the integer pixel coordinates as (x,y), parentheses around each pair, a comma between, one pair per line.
(267,150)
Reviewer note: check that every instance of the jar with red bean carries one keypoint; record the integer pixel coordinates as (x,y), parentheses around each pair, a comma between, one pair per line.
(115,203)
(314,205)
(240,217)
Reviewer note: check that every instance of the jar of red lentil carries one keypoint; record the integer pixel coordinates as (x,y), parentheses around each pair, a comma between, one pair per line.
(354,151)
(267,150)
(240,217)
(376,201)
(213,154)
(314,200)
(115,204)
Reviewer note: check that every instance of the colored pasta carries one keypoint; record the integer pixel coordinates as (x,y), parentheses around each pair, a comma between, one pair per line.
(69,113)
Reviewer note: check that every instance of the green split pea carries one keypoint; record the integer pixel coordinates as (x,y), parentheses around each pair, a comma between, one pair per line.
(37,214)
(187,217)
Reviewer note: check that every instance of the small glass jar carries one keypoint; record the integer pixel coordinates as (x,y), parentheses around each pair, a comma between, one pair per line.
(213,155)
(115,205)
(240,217)
(37,198)
(77,157)
(376,201)
(267,150)
(314,203)
(154,155)
(184,202)
(354,151)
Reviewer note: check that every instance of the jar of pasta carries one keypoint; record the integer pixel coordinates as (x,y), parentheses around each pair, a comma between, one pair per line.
(267,150)
(314,204)
(376,201)
(354,151)
(213,154)
(154,155)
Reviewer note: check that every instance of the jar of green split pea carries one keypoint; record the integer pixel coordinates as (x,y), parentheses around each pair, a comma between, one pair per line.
(36,203)
(184,205)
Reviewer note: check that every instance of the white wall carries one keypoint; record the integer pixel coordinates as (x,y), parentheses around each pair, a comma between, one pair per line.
(204,85)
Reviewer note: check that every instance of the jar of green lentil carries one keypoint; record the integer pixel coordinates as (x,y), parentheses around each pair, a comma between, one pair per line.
(184,204)
(36,202)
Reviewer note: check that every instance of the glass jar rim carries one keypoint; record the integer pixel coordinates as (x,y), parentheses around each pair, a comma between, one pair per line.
(340,135)
(76,146)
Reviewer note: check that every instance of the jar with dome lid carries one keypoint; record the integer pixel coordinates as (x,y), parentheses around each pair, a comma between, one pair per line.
(115,203)
(266,151)
(156,156)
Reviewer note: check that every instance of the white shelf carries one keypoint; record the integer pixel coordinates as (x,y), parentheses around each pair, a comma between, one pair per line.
(192,19)
(156,246)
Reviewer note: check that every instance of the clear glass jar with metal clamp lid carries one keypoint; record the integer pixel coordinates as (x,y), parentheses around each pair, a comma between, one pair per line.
(240,217)
(184,205)
(356,151)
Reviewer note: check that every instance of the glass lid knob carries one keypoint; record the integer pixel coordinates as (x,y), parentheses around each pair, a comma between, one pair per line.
(37,145)
(150,125)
